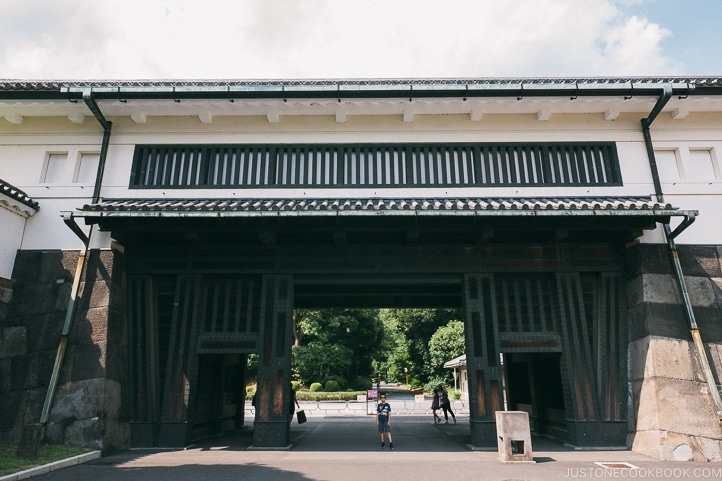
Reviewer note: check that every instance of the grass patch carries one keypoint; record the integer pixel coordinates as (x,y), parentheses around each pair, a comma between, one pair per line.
(10,462)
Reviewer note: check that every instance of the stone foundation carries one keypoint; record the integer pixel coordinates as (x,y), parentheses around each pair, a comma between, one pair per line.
(672,415)
(88,410)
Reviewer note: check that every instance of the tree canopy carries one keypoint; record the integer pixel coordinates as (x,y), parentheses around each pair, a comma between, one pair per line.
(353,346)
(337,344)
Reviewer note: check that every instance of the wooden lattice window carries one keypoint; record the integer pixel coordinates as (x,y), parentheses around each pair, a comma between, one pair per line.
(375,165)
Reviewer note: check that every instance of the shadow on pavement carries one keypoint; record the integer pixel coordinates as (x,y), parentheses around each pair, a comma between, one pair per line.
(359,433)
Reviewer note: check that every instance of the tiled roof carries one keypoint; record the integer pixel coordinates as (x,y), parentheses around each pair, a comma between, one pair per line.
(19,84)
(641,206)
(17,195)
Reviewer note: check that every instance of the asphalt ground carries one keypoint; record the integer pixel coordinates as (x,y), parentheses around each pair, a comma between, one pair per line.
(348,448)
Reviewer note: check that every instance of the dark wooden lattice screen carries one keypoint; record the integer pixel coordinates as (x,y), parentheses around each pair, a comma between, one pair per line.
(375,165)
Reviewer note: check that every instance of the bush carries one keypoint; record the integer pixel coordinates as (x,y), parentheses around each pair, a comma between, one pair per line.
(433,382)
(339,380)
(332,386)
(415,383)
(362,383)
(316,387)
(295,385)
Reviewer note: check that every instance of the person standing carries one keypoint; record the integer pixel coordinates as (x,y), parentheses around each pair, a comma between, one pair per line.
(294,400)
(446,404)
(383,421)
(435,406)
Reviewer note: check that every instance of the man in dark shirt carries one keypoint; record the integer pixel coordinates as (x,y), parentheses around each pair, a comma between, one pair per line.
(383,421)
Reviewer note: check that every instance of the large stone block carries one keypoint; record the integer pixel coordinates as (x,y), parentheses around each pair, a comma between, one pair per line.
(701,291)
(13,342)
(672,446)
(43,331)
(96,294)
(78,400)
(45,266)
(34,299)
(88,361)
(86,433)
(648,258)
(661,320)
(672,358)
(661,289)
(678,406)
(90,327)
(24,373)
(698,260)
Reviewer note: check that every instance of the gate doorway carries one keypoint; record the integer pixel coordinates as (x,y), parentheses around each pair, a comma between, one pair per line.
(219,399)
(534,384)
(192,323)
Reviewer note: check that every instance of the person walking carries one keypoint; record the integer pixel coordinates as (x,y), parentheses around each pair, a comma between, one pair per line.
(383,421)
(435,406)
(445,404)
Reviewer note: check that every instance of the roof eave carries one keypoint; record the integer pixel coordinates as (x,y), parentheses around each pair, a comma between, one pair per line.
(350,89)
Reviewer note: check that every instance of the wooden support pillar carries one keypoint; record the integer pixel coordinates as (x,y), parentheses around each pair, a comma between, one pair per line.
(273,395)
(182,364)
(482,359)
(593,359)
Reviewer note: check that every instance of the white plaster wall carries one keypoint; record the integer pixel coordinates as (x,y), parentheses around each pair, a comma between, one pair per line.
(11,236)
(24,149)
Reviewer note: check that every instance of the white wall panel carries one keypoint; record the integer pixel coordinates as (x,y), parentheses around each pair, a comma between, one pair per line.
(10,240)
(46,229)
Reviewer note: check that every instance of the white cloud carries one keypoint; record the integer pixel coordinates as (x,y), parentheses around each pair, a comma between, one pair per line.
(636,40)
(326,38)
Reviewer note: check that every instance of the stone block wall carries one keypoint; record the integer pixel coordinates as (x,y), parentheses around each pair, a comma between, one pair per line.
(88,409)
(671,415)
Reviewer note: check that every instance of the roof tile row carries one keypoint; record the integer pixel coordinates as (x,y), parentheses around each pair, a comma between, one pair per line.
(377,204)
(18,195)
(51,85)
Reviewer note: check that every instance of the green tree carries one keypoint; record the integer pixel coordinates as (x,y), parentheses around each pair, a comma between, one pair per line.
(417,326)
(335,343)
(394,354)
(445,344)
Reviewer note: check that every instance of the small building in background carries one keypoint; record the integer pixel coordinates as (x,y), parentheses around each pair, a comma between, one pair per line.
(461,377)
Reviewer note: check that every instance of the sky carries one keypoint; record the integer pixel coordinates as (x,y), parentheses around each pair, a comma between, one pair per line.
(334,39)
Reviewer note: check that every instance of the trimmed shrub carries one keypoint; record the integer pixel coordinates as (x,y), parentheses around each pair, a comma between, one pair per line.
(295,385)
(316,387)
(332,386)
(339,380)
(328,396)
